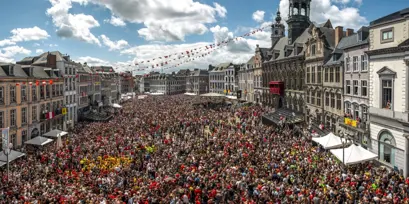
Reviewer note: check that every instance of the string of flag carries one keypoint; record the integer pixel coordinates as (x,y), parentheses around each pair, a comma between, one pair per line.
(193,53)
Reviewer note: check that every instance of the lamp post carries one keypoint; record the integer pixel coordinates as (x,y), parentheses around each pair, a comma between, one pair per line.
(344,142)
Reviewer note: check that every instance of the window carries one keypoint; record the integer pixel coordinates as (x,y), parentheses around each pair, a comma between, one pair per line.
(23,136)
(387,147)
(356,110)
(347,63)
(348,87)
(11,71)
(313,50)
(12,94)
(319,76)
(337,74)
(23,115)
(364,88)
(387,35)
(313,97)
(313,75)
(13,121)
(2,119)
(34,113)
(355,63)
(318,98)
(308,97)
(387,94)
(332,100)
(364,113)
(364,63)
(326,99)
(355,86)
(339,101)
(331,74)
(326,75)
(347,108)
(23,93)
(1,95)
(308,75)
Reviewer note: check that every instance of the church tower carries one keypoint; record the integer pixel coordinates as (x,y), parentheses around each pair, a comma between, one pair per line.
(277,30)
(298,18)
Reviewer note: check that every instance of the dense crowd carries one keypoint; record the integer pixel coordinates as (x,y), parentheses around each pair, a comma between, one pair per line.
(163,149)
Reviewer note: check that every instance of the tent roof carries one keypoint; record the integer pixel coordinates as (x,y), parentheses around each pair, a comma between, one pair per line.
(55,133)
(354,154)
(190,94)
(329,141)
(39,141)
(213,94)
(12,156)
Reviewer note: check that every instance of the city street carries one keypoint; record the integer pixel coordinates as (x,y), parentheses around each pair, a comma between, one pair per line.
(166,149)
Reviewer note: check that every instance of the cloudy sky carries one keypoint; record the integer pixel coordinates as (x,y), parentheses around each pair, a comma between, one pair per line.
(121,33)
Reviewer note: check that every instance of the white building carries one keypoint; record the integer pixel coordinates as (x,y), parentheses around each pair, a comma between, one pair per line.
(231,79)
(246,80)
(388,93)
(217,78)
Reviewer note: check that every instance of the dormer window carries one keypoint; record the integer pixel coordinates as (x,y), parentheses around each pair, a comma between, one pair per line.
(11,70)
(276,55)
(334,57)
(313,50)
(359,36)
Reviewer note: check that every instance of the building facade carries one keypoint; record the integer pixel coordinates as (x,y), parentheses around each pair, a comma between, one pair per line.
(109,84)
(217,78)
(127,82)
(260,56)
(31,101)
(198,82)
(284,63)
(68,69)
(355,122)
(231,79)
(318,51)
(246,80)
(388,89)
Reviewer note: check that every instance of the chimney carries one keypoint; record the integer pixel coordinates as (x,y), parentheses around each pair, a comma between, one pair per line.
(349,32)
(339,33)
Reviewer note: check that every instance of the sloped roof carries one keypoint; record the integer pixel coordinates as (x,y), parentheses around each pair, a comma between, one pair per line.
(200,72)
(251,60)
(38,72)
(391,17)
(329,34)
(42,59)
(222,66)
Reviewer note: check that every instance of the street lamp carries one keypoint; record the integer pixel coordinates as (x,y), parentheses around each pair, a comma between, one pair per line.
(344,141)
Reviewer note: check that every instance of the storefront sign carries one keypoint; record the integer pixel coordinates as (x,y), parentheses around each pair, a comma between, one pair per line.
(350,122)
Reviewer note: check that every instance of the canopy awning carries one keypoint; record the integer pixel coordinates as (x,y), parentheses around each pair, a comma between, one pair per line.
(55,133)
(232,97)
(329,141)
(353,154)
(157,94)
(115,105)
(13,155)
(39,141)
(213,95)
(190,94)
(142,96)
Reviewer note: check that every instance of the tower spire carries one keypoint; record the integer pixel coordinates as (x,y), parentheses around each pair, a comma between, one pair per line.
(278,16)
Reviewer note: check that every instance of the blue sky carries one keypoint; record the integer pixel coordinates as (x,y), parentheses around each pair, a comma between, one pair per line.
(145,29)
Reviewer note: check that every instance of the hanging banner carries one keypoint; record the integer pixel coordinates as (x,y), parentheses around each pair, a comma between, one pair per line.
(5,138)
(64,111)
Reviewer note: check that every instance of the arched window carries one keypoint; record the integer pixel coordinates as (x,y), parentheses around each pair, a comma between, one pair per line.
(387,149)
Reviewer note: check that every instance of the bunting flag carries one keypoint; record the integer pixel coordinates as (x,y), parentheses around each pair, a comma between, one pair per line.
(189,52)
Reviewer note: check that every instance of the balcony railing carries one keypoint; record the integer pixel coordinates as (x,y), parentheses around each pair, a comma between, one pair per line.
(355,123)
(13,99)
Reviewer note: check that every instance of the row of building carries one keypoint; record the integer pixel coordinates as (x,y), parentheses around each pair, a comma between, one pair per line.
(50,91)
(352,83)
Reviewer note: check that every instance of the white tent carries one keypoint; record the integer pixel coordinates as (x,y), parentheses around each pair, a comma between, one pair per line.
(329,141)
(157,94)
(212,95)
(13,155)
(55,133)
(190,94)
(232,97)
(353,154)
(115,105)
(142,96)
(39,141)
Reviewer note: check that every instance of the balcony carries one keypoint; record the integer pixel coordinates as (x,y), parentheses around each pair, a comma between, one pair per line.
(23,98)
(355,125)
(390,114)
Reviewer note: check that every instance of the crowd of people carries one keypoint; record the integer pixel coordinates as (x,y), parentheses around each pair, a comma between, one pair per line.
(163,149)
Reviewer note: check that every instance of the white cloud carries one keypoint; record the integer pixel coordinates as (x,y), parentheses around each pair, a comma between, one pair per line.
(7,53)
(341,1)
(38,51)
(258,16)
(24,34)
(93,61)
(53,45)
(72,25)
(36,44)
(118,45)
(237,51)
(169,20)
(359,2)
(322,10)
(115,21)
